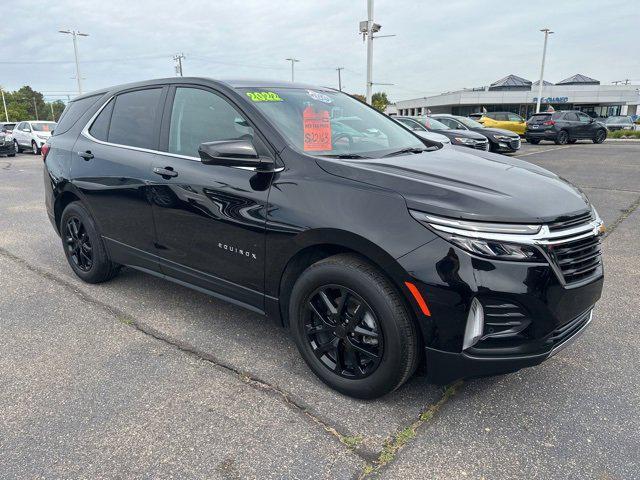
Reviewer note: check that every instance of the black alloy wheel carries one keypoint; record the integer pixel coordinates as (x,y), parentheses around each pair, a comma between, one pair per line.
(79,248)
(600,137)
(562,138)
(343,332)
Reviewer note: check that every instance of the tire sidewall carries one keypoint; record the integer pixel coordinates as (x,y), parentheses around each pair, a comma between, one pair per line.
(101,262)
(386,374)
(563,137)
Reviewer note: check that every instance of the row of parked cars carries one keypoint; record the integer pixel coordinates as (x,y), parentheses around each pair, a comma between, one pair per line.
(29,135)
(501,131)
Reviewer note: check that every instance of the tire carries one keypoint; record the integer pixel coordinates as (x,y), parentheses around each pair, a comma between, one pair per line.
(84,247)
(34,148)
(11,154)
(601,136)
(18,150)
(562,138)
(378,345)
(573,140)
(533,141)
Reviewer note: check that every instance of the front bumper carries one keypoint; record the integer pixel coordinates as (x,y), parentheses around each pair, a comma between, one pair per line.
(509,146)
(446,367)
(551,311)
(7,148)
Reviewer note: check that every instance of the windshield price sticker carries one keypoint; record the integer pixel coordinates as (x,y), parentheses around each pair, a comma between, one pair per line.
(317,130)
(264,97)
(320,97)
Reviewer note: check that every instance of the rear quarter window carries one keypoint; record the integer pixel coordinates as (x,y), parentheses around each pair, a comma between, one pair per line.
(134,119)
(73,111)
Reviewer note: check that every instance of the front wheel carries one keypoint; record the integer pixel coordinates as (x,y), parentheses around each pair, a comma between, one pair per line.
(600,137)
(83,246)
(34,148)
(18,149)
(562,138)
(352,327)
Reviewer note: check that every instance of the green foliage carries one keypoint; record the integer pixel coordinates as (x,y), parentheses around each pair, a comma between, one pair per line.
(29,104)
(380,101)
(624,134)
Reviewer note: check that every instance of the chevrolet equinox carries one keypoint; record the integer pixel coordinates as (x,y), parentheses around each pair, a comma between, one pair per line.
(380,251)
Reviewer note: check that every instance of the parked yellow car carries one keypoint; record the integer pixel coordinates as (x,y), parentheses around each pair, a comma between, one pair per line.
(506,120)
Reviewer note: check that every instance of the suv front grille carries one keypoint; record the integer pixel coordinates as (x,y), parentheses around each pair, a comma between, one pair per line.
(577,259)
(570,222)
(566,331)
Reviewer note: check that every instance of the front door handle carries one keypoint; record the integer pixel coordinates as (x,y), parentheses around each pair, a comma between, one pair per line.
(165,172)
(86,155)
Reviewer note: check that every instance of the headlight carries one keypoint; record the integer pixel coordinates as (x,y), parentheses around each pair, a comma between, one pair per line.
(466,141)
(476,237)
(503,138)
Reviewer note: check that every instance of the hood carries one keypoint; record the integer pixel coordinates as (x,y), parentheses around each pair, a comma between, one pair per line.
(497,131)
(460,133)
(474,186)
(434,137)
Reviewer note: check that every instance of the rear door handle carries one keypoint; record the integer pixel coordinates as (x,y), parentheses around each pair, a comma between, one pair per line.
(165,172)
(86,155)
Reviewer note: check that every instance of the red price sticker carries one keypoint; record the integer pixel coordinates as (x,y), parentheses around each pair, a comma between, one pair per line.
(317,130)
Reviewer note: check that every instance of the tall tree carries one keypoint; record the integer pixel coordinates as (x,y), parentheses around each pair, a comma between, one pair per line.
(380,101)
(29,104)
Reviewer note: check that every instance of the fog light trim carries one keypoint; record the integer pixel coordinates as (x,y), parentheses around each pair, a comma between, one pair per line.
(475,325)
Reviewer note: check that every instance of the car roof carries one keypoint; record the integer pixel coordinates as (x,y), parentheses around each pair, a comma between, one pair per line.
(229,83)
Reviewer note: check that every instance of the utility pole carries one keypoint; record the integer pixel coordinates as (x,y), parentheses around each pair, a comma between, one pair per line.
(293,62)
(4,103)
(178,58)
(367,29)
(339,78)
(547,32)
(53,117)
(35,107)
(76,34)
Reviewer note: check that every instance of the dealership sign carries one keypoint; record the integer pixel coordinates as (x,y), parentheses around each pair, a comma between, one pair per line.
(551,99)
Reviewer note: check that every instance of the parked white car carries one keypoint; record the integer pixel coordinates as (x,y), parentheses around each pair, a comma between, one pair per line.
(32,135)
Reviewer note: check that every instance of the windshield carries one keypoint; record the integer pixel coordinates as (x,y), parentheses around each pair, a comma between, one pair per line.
(469,122)
(327,123)
(43,126)
(618,120)
(433,124)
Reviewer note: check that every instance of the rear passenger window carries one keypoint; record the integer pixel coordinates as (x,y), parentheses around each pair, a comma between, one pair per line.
(100,127)
(72,112)
(199,116)
(571,117)
(134,119)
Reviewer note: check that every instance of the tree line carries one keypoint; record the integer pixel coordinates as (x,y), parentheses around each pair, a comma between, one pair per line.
(29,104)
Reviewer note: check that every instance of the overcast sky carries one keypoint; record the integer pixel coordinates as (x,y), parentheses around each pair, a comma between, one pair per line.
(440,46)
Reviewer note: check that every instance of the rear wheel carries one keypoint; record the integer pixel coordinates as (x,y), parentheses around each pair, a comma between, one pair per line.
(533,141)
(18,149)
(83,246)
(34,148)
(600,137)
(352,327)
(562,138)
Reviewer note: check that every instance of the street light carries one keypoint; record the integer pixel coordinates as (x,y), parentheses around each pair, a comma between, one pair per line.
(293,62)
(547,32)
(76,34)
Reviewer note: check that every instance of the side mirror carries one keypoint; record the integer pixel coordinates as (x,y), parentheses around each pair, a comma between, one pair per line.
(233,153)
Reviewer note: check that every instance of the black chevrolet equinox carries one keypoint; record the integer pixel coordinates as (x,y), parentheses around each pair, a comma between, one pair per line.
(380,251)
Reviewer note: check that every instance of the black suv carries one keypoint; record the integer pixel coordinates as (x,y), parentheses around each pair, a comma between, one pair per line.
(378,250)
(564,126)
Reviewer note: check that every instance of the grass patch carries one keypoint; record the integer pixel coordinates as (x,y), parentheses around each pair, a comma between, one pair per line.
(352,442)
(394,444)
(625,134)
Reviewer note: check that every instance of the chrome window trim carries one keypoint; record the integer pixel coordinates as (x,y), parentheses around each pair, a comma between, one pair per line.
(85,133)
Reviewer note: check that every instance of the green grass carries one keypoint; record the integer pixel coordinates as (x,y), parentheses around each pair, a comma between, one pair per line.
(625,134)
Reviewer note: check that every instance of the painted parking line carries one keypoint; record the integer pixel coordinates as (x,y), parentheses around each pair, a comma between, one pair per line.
(542,151)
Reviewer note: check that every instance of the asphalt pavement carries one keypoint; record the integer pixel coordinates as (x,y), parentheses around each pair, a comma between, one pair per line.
(142,378)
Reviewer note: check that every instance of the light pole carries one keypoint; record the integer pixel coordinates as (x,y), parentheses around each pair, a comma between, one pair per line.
(547,32)
(293,62)
(76,34)
(339,69)
(4,103)
(367,29)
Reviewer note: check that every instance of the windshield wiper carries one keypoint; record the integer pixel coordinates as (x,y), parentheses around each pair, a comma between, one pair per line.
(406,150)
(345,155)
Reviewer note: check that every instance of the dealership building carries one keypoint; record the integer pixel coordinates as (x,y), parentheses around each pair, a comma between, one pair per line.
(518,95)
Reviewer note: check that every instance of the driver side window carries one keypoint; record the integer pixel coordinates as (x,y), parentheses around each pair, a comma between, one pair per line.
(200,116)
(449,122)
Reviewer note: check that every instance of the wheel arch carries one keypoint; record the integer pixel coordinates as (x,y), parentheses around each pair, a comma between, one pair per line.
(313,246)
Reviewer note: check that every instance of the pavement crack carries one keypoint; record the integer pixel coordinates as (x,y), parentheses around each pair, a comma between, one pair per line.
(394,444)
(295,404)
(623,216)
